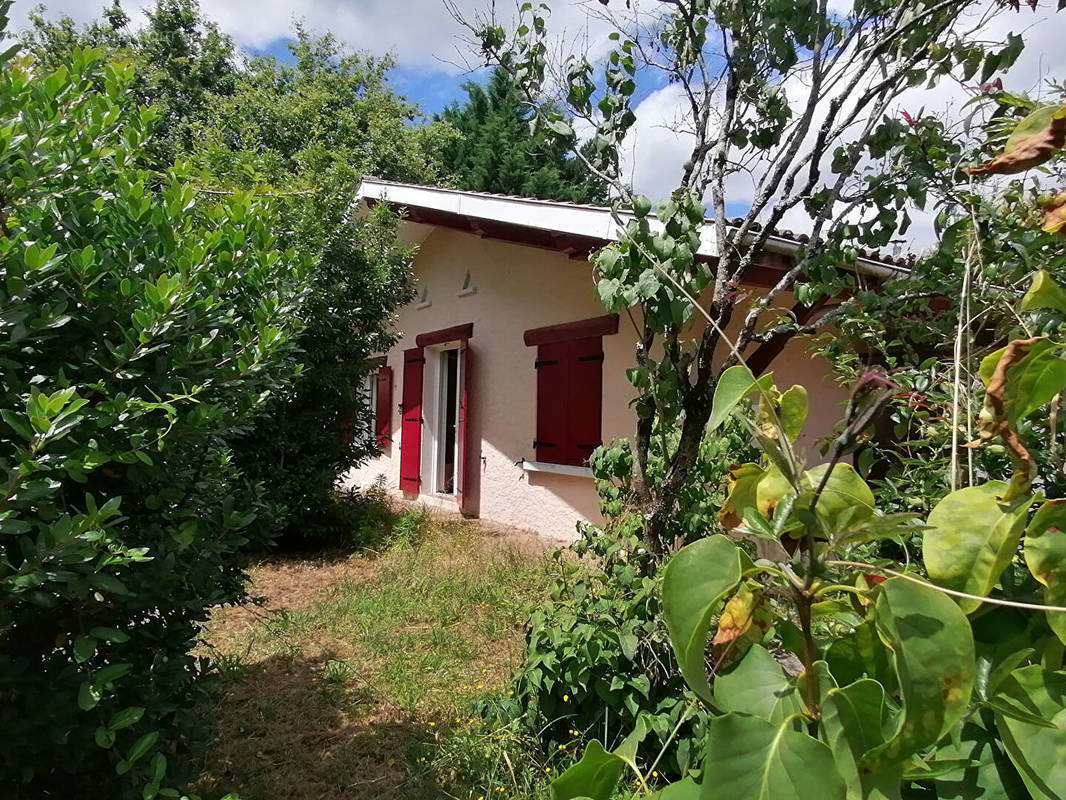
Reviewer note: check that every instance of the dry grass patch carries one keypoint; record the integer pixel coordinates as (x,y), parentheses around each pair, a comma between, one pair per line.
(352,667)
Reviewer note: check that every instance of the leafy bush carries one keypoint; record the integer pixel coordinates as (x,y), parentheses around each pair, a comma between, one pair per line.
(142,327)
(597,653)
(309,129)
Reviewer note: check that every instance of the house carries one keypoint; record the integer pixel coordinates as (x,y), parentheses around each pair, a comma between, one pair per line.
(508,372)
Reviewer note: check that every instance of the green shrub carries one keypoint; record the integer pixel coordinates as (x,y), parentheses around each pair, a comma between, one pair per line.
(142,326)
(597,652)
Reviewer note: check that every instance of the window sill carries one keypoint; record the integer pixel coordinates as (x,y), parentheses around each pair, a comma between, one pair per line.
(557,469)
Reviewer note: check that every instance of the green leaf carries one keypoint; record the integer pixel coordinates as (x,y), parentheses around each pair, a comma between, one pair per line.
(1045,555)
(686,789)
(933,656)
(695,583)
(750,759)
(111,673)
(734,385)
(84,648)
(845,500)
(110,635)
(595,776)
(971,538)
(103,737)
(758,686)
(1038,753)
(561,128)
(989,774)
(1044,293)
(88,696)
(142,746)
(853,718)
(125,718)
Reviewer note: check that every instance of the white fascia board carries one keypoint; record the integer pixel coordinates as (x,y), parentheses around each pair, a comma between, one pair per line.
(548,215)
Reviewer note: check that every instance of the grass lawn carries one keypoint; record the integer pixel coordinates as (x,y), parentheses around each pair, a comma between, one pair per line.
(360,676)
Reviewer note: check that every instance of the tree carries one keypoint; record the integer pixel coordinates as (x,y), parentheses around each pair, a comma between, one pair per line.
(310,131)
(303,133)
(796,96)
(181,59)
(969,644)
(144,326)
(501,151)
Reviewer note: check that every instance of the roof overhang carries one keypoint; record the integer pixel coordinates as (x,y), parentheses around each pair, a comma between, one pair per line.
(570,228)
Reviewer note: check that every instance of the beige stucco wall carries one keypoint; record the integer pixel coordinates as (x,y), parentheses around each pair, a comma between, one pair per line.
(519,288)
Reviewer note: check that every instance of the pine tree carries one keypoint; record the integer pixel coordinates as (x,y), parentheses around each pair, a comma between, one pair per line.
(498,152)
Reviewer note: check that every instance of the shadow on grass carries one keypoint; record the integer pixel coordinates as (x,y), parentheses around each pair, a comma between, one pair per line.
(286,729)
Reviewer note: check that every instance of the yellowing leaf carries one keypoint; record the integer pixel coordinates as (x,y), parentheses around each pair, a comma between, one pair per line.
(792,410)
(743,478)
(1043,293)
(1033,142)
(744,621)
(971,538)
(1055,214)
(933,655)
(1045,554)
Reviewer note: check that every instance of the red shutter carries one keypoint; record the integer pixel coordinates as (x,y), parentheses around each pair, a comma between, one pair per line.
(585,398)
(569,400)
(383,423)
(463,469)
(552,439)
(411,421)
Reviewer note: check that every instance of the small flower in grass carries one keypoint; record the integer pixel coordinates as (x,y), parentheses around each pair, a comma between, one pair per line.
(547,769)
(432,724)
(562,747)
(566,698)
(654,774)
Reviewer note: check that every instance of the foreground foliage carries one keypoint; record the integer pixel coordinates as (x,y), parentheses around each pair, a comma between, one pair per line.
(828,680)
(143,325)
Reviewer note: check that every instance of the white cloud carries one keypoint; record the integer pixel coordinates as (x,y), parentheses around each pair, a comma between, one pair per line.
(420,32)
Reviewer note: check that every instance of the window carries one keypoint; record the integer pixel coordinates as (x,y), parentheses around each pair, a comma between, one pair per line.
(569,368)
(369,392)
(371,416)
(382,406)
